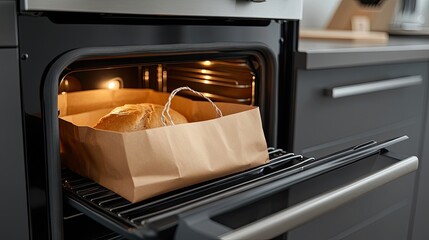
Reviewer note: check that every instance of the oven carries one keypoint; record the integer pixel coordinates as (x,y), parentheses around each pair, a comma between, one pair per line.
(231,51)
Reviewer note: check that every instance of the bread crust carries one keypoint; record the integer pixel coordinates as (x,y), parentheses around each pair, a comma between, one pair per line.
(134,117)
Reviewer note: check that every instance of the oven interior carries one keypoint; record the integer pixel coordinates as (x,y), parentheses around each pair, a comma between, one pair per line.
(231,78)
(240,74)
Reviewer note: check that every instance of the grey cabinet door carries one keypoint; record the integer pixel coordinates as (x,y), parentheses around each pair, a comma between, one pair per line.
(383,213)
(325,124)
(420,229)
(339,108)
(13,217)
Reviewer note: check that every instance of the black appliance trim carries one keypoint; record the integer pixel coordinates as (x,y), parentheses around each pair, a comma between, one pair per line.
(49,102)
(120,19)
(287,84)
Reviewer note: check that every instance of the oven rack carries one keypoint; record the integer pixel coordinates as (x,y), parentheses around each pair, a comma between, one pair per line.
(130,219)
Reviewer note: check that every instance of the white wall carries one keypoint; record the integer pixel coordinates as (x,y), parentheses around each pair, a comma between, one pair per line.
(423,6)
(317,13)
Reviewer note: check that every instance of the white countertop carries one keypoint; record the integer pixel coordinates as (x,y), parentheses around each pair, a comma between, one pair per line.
(317,54)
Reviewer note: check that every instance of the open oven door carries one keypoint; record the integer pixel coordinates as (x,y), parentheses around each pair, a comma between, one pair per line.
(249,205)
(264,212)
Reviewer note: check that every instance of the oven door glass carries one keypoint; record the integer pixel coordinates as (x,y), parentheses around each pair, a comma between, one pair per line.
(255,204)
(270,211)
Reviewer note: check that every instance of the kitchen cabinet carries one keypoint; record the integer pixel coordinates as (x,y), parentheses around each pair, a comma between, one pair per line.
(383,213)
(420,229)
(325,123)
(349,94)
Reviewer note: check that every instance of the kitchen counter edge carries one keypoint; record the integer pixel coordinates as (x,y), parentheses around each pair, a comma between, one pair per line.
(322,54)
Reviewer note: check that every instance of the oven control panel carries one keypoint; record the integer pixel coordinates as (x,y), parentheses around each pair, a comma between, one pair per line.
(273,9)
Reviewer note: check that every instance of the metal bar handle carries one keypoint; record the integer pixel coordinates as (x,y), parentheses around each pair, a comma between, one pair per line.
(294,216)
(351,90)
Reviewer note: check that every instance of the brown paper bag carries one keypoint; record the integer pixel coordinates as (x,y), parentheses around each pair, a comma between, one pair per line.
(142,164)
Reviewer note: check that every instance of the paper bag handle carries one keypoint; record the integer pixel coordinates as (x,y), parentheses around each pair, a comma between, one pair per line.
(166,109)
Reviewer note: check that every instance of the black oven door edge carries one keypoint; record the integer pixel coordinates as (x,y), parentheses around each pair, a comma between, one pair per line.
(206,222)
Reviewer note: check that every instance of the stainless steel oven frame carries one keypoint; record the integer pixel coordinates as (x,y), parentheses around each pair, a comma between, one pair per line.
(262,9)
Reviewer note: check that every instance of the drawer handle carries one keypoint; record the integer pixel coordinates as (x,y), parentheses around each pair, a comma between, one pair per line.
(294,216)
(350,90)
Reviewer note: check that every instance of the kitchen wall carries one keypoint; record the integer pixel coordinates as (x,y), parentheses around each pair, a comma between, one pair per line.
(317,13)
(424,10)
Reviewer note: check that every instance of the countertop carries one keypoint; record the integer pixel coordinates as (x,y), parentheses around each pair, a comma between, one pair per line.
(320,54)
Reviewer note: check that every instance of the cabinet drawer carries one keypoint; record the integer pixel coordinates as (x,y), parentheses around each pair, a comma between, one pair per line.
(410,147)
(380,214)
(344,106)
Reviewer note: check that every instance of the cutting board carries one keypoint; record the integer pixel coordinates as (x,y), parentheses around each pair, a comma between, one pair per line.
(368,36)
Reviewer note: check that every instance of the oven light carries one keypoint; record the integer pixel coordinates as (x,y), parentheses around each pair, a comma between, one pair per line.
(164,77)
(114,83)
(207,63)
(204,71)
(159,77)
(207,77)
(146,78)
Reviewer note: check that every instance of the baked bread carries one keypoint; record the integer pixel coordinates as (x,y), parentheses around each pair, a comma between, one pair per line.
(134,117)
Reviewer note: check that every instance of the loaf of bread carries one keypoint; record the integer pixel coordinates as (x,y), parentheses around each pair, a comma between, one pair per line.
(134,117)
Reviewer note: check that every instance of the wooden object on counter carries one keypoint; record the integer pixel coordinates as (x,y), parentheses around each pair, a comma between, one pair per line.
(379,15)
(357,20)
(364,36)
